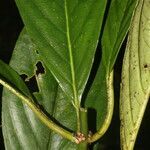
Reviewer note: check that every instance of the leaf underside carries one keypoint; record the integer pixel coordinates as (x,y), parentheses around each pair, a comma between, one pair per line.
(135,87)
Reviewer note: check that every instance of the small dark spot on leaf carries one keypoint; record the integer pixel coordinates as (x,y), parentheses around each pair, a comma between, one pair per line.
(121,124)
(131,140)
(142,22)
(130,133)
(40,68)
(37,51)
(135,93)
(131,108)
(145,66)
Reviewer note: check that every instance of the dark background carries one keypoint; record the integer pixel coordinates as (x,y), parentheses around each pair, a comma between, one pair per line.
(10,27)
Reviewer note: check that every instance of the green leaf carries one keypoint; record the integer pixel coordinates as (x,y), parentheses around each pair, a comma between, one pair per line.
(120,14)
(21,127)
(135,87)
(100,96)
(66,34)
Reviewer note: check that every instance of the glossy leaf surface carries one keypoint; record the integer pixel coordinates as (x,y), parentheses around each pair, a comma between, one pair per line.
(120,14)
(135,89)
(66,34)
(21,128)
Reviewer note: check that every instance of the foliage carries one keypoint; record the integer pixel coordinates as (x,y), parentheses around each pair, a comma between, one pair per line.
(58,55)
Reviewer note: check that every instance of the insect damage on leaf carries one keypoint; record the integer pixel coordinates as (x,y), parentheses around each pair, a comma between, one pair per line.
(40,68)
(31,83)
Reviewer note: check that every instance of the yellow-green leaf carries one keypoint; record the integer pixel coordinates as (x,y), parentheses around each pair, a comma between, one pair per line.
(135,87)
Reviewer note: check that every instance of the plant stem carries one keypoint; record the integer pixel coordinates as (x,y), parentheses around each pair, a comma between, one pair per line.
(110,107)
(84,129)
(34,107)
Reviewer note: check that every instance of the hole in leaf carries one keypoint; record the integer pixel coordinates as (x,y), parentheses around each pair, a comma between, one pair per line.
(24,77)
(31,83)
(40,68)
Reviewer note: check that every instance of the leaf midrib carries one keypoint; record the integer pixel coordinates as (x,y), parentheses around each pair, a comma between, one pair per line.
(75,95)
(70,53)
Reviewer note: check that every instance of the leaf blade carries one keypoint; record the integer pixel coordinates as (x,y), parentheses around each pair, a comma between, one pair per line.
(33,133)
(89,9)
(135,90)
(120,13)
